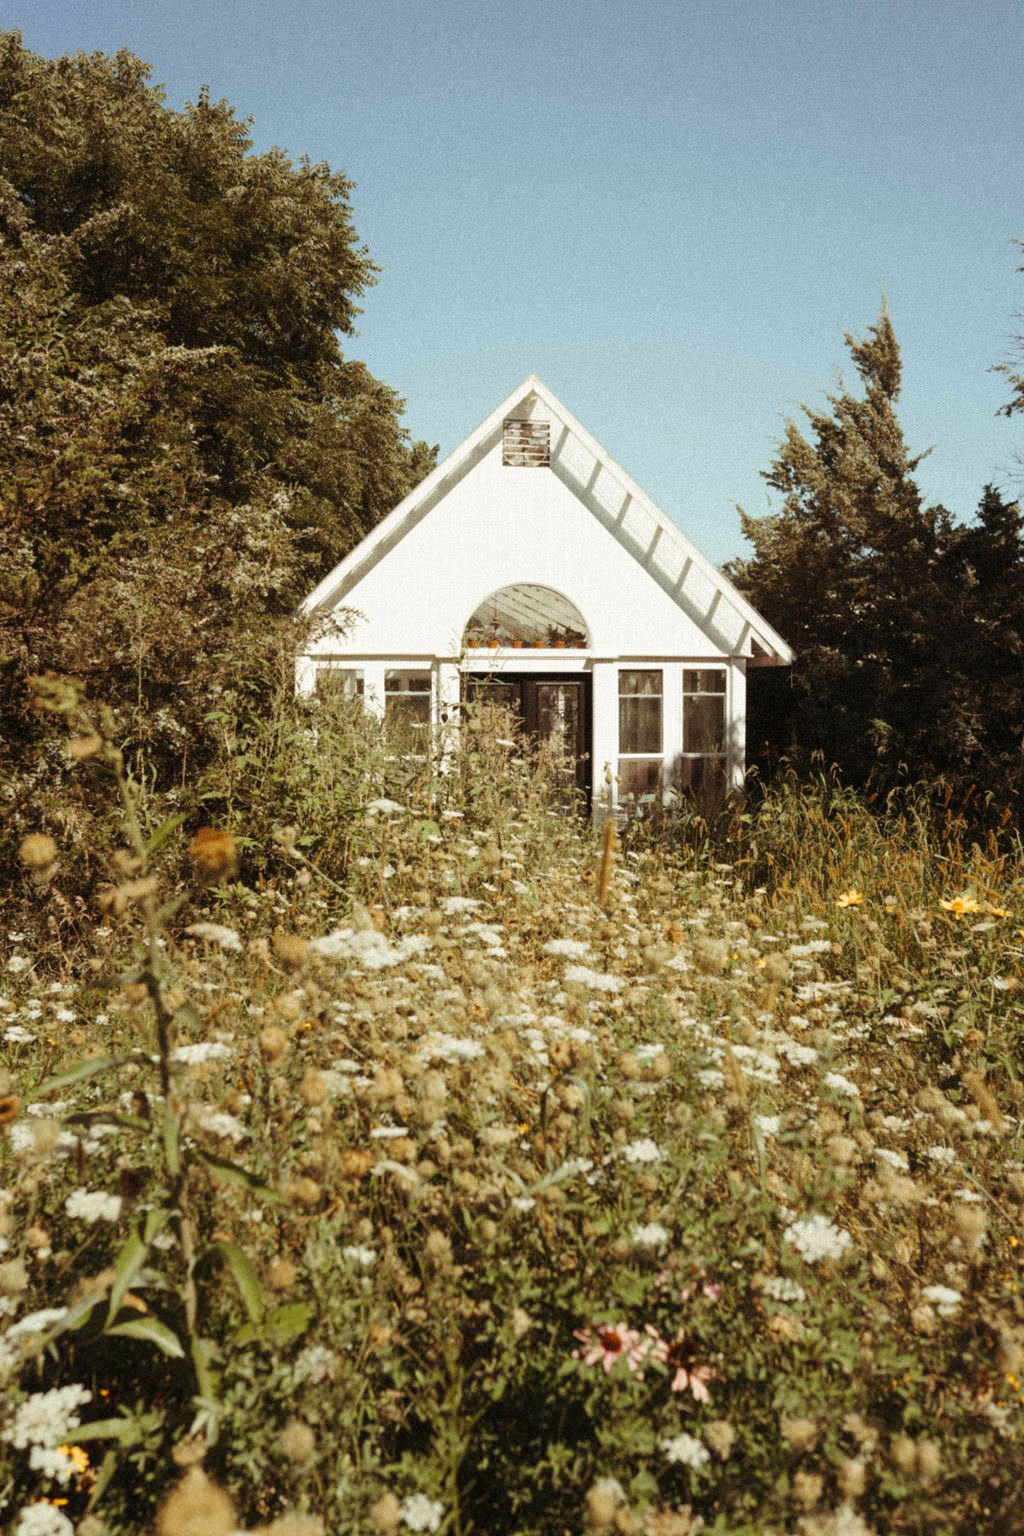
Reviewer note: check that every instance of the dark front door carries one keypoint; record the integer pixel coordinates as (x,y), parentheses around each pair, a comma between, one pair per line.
(552,709)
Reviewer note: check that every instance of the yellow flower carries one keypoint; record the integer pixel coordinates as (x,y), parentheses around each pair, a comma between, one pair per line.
(850,898)
(999,911)
(961,906)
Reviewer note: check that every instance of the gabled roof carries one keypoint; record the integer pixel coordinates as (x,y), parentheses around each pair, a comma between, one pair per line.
(614,498)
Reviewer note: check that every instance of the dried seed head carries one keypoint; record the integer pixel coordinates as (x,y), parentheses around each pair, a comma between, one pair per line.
(313,1088)
(929,1460)
(13,1278)
(853,1476)
(298,1442)
(903,1454)
(385,1515)
(281,1274)
(303,1191)
(720,1435)
(802,1434)
(808,1488)
(37,851)
(273,1044)
(214,854)
(291,949)
(195,1506)
(292,1524)
(969,1224)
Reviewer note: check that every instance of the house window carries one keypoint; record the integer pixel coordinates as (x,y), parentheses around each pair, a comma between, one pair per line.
(407,699)
(526,444)
(640,733)
(703,765)
(335,683)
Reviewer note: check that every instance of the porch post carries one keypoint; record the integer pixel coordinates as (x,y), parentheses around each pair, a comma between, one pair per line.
(605,737)
(737,733)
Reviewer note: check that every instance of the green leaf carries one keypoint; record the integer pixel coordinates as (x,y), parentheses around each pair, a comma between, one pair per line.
(427,828)
(245,1278)
(278,1327)
(90,1068)
(164,831)
(234,1173)
(152,1331)
(129,1261)
(126,1431)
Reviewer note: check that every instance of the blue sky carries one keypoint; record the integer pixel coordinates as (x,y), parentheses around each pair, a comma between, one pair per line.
(670,211)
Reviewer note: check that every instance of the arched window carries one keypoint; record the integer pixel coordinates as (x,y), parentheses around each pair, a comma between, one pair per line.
(527,615)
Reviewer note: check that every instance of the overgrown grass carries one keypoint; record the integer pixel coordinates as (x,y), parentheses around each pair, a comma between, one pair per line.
(375,1176)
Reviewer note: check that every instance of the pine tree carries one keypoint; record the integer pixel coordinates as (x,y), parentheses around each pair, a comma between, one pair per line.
(850,569)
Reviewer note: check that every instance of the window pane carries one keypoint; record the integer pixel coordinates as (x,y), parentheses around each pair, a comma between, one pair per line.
(639,725)
(639,777)
(407,708)
(634,682)
(406,682)
(704,778)
(339,683)
(704,722)
(704,680)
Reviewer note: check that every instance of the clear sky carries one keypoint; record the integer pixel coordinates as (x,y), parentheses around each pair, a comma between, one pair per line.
(671,210)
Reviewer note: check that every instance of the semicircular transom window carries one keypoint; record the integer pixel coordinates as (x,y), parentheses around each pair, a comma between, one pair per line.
(527,615)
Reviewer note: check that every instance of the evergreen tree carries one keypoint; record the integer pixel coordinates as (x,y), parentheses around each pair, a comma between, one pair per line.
(851,570)
(184,447)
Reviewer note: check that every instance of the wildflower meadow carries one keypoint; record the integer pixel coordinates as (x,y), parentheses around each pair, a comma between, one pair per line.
(383,1151)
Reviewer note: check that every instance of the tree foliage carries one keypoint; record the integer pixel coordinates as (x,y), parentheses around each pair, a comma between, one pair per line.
(897,614)
(184,446)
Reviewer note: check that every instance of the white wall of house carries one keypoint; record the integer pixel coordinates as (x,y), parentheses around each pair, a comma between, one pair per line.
(579,528)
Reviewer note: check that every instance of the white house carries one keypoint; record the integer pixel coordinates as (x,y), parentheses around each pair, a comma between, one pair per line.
(529,561)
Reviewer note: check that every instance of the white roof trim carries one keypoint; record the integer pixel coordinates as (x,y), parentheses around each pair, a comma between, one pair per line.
(761,642)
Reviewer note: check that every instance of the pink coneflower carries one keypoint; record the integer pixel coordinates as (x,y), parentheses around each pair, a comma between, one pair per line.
(679,1358)
(606,1345)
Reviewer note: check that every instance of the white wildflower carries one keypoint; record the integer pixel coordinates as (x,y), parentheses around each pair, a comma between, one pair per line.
(767,1125)
(597,981)
(18,963)
(943,1298)
(18,1035)
(42,1520)
(217,1122)
(815,1237)
(686,1450)
(442,1047)
(453,905)
(942,1154)
(420,1513)
(215,933)
(204,1050)
(93,1205)
(894,1159)
(316,1363)
(781,1288)
(360,1255)
(522,1203)
(385,807)
(643,1150)
(572,949)
(840,1084)
(654,1235)
(52,1461)
(46,1418)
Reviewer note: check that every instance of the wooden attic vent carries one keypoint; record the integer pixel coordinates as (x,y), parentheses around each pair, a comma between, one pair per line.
(526,444)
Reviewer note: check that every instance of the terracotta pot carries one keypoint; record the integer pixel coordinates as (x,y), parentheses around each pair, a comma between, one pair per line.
(492,645)
(558,645)
(517,645)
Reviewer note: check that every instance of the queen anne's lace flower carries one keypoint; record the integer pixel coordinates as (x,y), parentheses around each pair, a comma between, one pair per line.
(46,1418)
(93,1205)
(816,1238)
(642,1151)
(420,1513)
(686,1450)
(43,1520)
